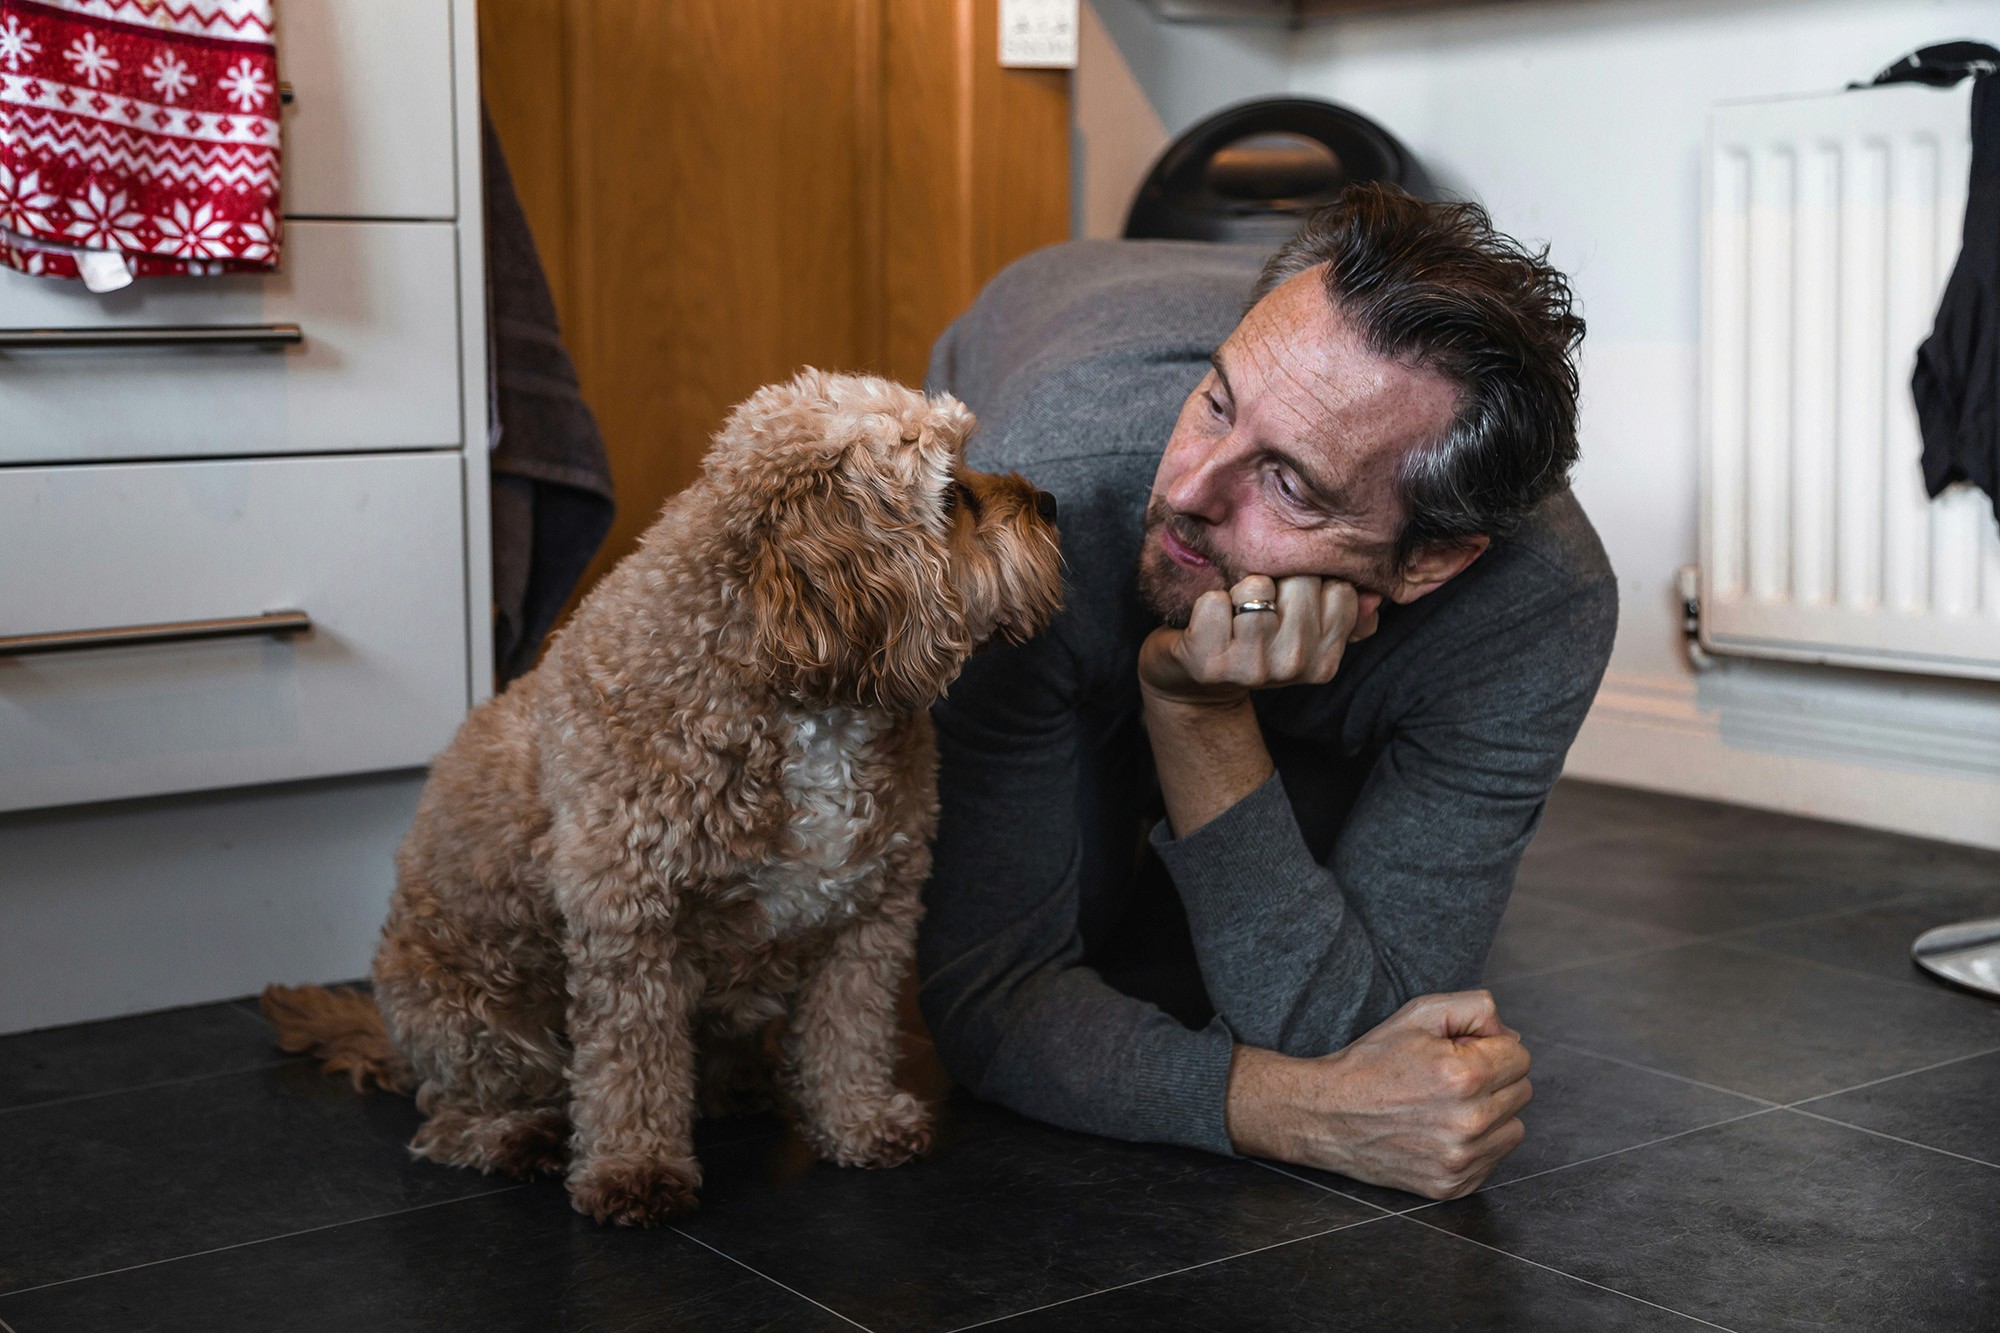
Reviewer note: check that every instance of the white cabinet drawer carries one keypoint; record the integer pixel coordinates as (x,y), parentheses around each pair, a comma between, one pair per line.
(370,548)
(369,131)
(378,367)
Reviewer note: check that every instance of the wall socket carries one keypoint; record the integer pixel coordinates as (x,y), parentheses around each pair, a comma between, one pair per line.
(1038,34)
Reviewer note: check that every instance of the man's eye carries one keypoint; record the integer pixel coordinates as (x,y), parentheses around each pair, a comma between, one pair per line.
(1215,406)
(1289,488)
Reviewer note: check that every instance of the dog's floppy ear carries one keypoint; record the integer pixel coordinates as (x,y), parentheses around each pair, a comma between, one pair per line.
(852,604)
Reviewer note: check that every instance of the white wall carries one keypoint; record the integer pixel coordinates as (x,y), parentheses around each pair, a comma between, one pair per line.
(1579,123)
(1140,82)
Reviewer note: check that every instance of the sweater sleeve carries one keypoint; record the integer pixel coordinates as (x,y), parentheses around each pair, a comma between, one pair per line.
(1015,1015)
(1301,956)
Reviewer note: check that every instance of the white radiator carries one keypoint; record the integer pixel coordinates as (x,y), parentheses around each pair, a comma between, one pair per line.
(1831,224)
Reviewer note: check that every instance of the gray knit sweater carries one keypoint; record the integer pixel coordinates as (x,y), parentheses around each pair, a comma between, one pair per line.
(1372,867)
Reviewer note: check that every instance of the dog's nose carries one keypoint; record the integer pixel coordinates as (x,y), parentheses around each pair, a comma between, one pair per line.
(1045,505)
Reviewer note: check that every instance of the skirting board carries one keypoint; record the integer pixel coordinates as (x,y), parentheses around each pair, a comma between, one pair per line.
(1884,752)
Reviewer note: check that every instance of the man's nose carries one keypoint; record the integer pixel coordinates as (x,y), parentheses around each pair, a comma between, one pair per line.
(1045,505)
(1202,490)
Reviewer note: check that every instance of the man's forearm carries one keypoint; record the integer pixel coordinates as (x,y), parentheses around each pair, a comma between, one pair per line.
(1209,757)
(1285,964)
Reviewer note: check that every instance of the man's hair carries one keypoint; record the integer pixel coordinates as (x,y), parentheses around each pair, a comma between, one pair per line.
(1432,284)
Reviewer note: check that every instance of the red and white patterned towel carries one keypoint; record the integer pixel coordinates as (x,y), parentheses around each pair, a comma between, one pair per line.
(145,130)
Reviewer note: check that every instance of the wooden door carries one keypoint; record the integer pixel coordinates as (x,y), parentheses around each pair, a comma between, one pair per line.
(726,190)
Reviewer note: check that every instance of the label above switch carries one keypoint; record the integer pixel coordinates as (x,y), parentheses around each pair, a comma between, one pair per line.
(1038,34)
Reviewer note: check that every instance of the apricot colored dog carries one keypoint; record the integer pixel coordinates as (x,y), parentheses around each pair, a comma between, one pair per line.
(708,808)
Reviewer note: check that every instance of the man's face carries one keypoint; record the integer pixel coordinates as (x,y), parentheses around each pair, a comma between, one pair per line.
(1285,458)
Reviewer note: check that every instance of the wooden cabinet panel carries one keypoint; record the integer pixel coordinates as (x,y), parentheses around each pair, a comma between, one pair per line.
(716,229)
(977,167)
(524,75)
(744,187)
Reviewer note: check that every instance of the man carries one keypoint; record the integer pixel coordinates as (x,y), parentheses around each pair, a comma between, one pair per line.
(1221,851)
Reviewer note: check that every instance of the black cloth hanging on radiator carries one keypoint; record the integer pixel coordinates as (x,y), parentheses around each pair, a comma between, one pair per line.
(1940,66)
(1957,379)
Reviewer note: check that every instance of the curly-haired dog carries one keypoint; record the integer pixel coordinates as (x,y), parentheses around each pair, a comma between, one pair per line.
(708,807)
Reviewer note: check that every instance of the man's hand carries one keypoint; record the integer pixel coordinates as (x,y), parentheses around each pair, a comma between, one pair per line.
(1427,1102)
(1195,684)
(1221,656)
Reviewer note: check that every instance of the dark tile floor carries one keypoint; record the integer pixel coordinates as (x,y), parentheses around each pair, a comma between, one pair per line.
(1750,1113)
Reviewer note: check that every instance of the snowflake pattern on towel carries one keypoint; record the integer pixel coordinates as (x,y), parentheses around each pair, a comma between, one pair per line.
(91,60)
(149,127)
(16,43)
(170,76)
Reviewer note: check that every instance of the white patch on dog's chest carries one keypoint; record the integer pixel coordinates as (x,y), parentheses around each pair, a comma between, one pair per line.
(813,877)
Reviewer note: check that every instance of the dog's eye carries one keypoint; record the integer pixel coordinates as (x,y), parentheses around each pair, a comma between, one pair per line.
(960,493)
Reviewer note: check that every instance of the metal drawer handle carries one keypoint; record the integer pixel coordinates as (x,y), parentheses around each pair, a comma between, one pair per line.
(159,335)
(174,631)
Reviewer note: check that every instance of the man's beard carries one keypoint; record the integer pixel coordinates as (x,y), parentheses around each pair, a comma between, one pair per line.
(1169,587)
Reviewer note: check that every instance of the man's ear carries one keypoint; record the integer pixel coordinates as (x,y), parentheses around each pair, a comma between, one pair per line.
(1435,565)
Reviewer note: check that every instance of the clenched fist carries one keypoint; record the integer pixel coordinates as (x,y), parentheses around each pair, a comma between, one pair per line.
(1428,1102)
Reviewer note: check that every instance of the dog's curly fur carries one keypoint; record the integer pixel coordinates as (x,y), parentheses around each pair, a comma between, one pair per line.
(707,809)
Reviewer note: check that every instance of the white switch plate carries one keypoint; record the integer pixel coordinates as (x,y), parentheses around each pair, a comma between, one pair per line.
(1038,34)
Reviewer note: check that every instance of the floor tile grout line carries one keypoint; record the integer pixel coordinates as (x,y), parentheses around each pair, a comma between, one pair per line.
(1731,936)
(1813,918)
(1693,936)
(261,1240)
(1155,1277)
(1704,937)
(1320,1185)
(149,1087)
(1622,956)
(1825,966)
(1550,1268)
(1586,1161)
(1891,1078)
(1765,1102)
(1766,1109)
(768,1278)
(1880,1134)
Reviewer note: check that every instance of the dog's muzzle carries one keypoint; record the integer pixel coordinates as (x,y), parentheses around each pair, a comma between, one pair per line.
(1045,505)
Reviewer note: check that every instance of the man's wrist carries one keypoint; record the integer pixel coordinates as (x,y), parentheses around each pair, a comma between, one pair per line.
(1208,756)
(1258,1112)
(1195,711)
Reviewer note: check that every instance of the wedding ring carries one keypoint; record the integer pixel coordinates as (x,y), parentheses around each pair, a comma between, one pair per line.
(1256,604)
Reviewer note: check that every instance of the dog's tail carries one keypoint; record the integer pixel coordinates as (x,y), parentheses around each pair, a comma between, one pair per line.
(344,1029)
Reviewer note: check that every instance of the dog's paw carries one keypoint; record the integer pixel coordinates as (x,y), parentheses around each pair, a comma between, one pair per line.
(630,1192)
(533,1145)
(888,1134)
(522,1144)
